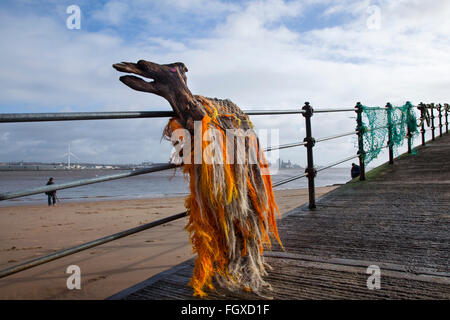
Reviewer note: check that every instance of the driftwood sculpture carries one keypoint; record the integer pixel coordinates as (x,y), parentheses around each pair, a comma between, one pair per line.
(231,205)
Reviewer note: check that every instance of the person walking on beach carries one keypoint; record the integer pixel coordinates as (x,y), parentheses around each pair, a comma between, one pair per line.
(51,194)
(355,172)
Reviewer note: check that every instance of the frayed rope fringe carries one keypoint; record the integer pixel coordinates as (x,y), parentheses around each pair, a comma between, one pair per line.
(231,209)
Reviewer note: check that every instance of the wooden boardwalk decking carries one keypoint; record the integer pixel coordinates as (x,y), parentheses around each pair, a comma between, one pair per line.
(399,220)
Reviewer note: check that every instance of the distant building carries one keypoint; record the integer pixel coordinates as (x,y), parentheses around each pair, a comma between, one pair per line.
(287,164)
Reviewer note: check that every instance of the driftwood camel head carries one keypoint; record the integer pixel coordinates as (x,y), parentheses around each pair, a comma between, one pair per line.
(168,81)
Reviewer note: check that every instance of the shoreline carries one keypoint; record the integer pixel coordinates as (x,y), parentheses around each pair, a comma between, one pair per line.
(31,231)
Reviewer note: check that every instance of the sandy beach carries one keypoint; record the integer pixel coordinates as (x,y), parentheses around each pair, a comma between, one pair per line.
(28,232)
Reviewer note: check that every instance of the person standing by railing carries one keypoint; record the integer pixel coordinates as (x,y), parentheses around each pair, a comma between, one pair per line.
(51,195)
(356,171)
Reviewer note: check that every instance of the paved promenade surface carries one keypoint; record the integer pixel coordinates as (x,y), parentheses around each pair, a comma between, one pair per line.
(398,220)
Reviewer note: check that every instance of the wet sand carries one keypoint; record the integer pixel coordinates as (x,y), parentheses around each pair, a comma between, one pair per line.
(28,232)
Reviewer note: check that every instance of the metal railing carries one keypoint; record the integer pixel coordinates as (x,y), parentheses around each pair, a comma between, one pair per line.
(310,172)
(424,114)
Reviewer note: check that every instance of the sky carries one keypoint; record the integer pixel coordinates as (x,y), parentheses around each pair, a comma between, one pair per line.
(264,54)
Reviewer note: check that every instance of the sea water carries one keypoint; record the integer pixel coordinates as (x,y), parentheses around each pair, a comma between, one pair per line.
(161,184)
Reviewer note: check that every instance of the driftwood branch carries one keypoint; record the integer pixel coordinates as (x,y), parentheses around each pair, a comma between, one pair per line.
(168,81)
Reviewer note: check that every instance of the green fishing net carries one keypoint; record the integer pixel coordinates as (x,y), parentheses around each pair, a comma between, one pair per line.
(386,126)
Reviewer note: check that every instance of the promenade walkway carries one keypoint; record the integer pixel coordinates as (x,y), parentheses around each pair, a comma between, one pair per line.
(398,220)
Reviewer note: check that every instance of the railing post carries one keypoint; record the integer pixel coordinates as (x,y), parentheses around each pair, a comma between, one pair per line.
(360,132)
(423,114)
(390,142)
(433,137)
(447,107)
(440,119)
(408,127)
(310,142)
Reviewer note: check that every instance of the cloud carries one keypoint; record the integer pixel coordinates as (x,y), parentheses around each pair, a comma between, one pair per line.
(203,7)
(112,13)
(256,53)
(4,137)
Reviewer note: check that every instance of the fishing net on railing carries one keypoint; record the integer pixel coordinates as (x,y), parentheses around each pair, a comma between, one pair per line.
(386,126)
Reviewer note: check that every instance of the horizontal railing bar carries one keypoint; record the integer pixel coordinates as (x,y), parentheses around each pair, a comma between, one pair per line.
(333,110)
(336,136)
(271,112)
(82,182)
(279,183)
(285,146)
(429,107)
(375,108)
(62,253)
(338,162)
(71,116)
(385,108)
